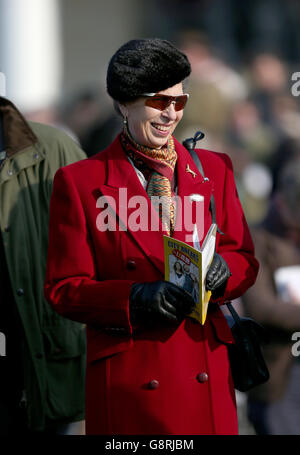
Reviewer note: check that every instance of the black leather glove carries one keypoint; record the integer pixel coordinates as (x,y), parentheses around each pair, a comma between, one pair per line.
(159,300)
(218,273)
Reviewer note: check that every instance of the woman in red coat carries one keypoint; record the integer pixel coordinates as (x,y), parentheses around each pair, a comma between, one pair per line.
(151,369)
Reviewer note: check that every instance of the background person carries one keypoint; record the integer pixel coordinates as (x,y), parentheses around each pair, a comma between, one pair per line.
(188,284)
(42,374)
(273,407)
(177,275)
(150,370)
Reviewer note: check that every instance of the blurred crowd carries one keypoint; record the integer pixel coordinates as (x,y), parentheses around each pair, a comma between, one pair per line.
(241,98)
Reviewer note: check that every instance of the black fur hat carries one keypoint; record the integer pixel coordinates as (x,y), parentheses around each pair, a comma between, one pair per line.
(143,66)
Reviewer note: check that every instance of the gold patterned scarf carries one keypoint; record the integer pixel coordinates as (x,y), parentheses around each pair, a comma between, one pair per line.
(158,166)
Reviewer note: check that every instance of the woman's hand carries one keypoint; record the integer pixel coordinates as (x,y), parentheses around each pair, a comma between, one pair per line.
(159,300)
(218,273)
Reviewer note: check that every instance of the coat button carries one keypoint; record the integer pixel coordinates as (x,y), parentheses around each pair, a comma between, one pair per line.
(153,384)
(202,377)
(20,292)
(131,264)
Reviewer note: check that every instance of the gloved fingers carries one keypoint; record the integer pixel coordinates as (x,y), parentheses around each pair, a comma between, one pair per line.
(217,282)
(217,274)
(168,311)
(210,278)
(213,276)
(215,263)
(180,293)
(183,301)
(226,275)
(209,283)
(214,266)
(188,298)
(168,303)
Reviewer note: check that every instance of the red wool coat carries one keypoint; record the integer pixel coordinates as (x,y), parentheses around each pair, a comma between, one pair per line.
(173,378)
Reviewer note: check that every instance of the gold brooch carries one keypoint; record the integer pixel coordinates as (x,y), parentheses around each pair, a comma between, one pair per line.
(188,169)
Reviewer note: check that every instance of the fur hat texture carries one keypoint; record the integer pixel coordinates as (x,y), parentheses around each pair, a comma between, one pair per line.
(143,66)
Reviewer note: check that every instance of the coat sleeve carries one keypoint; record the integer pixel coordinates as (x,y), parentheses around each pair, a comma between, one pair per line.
(71,286)
(236,245)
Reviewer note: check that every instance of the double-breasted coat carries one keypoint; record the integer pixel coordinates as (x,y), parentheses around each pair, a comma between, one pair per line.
(172,378)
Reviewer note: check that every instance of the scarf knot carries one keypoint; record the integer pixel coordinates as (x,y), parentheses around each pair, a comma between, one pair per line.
(157,165)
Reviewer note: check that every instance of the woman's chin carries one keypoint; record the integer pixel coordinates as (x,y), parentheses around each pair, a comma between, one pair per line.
(158,142)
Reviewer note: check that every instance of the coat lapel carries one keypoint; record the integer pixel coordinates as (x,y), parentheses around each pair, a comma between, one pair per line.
(125,188)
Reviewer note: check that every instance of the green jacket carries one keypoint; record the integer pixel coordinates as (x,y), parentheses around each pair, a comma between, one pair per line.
(54,347)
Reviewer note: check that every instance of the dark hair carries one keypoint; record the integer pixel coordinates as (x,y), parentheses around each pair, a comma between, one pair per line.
(178,263)
(143,66)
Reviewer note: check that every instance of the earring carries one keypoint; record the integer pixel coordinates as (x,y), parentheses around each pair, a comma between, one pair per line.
(125,121)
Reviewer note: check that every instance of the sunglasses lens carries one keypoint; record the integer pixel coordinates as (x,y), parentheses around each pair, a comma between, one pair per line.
(180,102)
(163,101)
(158,102)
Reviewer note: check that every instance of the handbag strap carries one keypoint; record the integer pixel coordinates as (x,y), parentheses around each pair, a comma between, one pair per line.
(238,321)
(234,314)
(190,145)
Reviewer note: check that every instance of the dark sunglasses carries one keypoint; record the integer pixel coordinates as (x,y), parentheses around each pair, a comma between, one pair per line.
(162,102)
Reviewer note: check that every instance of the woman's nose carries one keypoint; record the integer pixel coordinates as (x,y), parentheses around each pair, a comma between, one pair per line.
(170,111)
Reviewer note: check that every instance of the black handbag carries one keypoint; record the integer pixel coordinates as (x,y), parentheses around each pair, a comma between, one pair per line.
(247,363)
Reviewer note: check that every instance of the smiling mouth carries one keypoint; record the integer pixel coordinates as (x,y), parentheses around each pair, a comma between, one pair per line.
(162,128)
